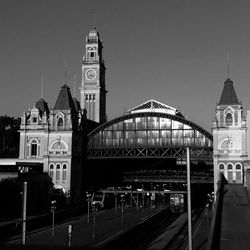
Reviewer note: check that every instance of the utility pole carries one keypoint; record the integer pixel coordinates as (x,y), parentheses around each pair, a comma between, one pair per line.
(24,214)
(189,202)
(88,201)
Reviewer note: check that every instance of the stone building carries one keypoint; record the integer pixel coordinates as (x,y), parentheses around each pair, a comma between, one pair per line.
(230,137)
(54,137)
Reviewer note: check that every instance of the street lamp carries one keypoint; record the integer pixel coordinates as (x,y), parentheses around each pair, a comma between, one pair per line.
(23,171)
(143,201)
(122,201)
(88,200)
(52,209)
(94,211)
(115,202)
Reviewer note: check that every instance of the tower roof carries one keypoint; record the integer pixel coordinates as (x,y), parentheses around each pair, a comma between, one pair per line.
(93,36)
(64,100)
(42,106)
(228,96)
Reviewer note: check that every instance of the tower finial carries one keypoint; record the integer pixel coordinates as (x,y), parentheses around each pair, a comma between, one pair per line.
(94,20)
(65,72)
(41,86)
(228,68)
(74,85)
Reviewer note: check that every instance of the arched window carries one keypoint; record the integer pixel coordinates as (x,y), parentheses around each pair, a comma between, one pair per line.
(60,122)
(59,148)
(229,119)
(64,174)
(51,171)
(221,166)
(58,172)
(33,149)
(238,166)
(230,172)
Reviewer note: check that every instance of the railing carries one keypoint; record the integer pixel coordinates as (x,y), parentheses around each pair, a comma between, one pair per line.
(215,228)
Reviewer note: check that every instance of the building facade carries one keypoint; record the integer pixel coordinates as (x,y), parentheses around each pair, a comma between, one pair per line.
(54,138)
(230,137)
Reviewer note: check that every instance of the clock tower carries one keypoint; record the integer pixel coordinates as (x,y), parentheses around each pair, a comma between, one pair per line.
(229,137)
(93,92)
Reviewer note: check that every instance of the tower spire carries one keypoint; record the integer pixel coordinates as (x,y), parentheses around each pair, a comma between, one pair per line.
(41,86)
(65,72)
(228,65)
(94,21)
(74,85)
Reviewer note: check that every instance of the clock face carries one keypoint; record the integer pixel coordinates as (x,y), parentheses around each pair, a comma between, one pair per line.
(230,144)
(90,74)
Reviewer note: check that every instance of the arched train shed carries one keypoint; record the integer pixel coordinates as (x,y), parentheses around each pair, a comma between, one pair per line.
(151,130)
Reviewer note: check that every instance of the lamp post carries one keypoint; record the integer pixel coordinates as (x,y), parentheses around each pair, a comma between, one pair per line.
(24,215)
(115,202)
(122,201)
(143,201)
(52,209)
(88,201)
(190,247)
(23,171)
(94,215)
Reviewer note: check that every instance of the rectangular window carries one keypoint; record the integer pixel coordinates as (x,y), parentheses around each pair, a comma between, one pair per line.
(33,149)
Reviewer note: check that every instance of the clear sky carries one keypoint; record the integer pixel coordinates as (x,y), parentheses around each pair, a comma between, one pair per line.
(174,51)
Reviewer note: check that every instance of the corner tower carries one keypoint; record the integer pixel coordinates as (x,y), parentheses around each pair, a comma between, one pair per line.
(229,137)
(93,91)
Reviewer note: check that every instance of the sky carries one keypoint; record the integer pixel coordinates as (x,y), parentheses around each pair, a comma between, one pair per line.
(174,51)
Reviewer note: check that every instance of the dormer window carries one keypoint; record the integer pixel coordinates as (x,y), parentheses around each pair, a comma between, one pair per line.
(229,119)
(34,119)
(60,122)
(92,54)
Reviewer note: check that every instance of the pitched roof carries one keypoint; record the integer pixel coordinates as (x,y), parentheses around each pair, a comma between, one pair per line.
(64,100)
(42,106)
(153,106)
(228,95)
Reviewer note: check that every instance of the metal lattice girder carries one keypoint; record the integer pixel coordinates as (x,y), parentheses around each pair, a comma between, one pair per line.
(180,153)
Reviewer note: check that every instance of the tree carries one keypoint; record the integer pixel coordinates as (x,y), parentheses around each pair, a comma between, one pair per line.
(9,136)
